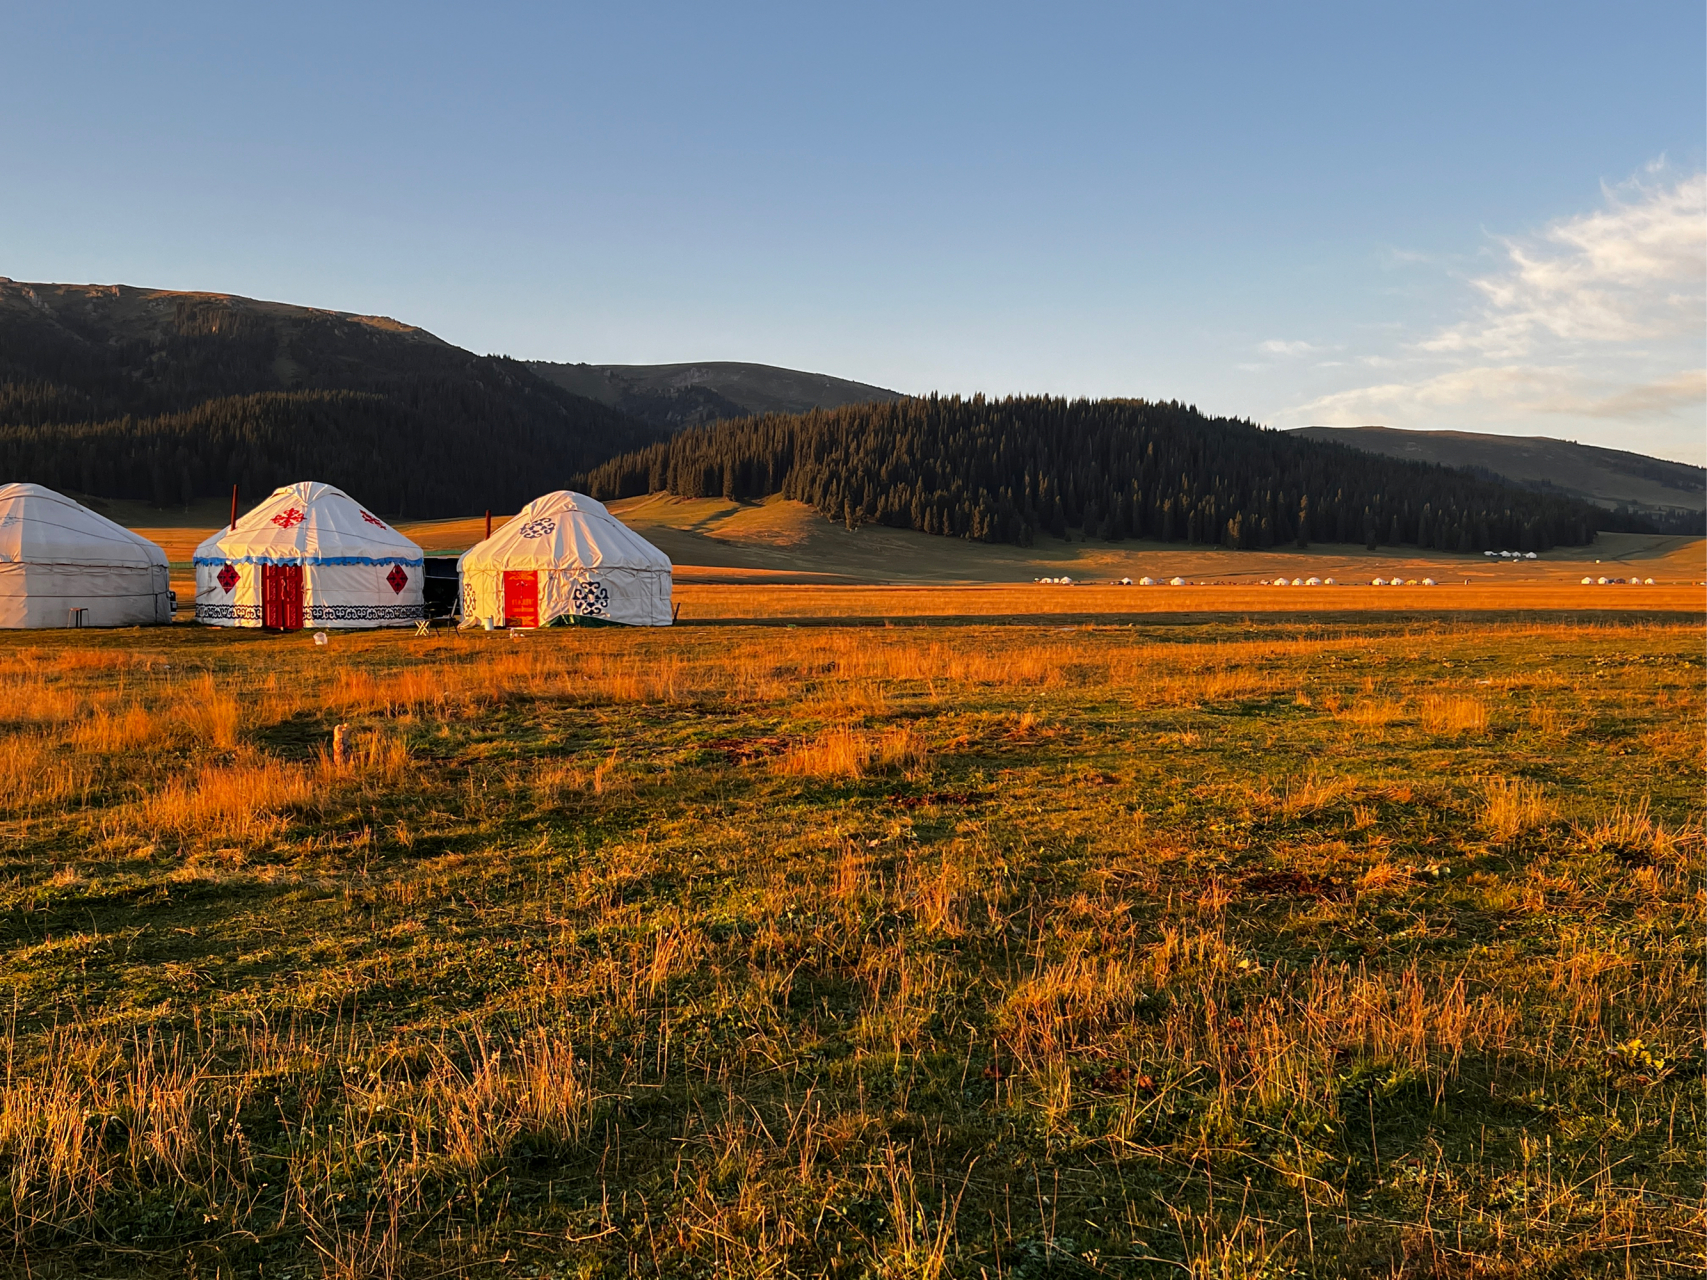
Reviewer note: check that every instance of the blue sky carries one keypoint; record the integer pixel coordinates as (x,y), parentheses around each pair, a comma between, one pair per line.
(1484,217)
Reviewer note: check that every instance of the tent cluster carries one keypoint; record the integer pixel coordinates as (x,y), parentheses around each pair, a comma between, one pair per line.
(312,556)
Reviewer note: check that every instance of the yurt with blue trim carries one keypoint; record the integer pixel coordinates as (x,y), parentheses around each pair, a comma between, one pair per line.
(309,556)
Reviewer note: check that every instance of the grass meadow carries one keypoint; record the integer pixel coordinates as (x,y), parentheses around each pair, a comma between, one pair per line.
(1218,950)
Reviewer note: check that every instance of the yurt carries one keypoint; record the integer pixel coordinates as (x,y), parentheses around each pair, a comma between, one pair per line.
(62,565)
(564,558)
(309,556)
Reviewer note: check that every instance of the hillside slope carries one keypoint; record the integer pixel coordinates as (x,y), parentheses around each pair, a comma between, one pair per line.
(1607,477)
(694,395)
(1014,469)
(164,396)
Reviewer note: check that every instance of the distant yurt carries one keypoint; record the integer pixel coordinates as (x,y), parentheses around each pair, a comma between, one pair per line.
(564,558)
(309,556)
(63,565)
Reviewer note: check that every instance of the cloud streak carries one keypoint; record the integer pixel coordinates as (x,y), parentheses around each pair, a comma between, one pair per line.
(1597,318)
(1629,272)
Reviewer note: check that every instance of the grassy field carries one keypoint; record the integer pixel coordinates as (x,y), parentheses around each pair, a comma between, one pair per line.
(1300,948)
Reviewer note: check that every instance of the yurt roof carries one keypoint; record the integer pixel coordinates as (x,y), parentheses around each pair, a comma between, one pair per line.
(39,526)
(564,530)
(308,523)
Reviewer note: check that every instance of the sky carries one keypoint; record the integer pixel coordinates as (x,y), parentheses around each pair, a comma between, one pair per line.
(1484,217)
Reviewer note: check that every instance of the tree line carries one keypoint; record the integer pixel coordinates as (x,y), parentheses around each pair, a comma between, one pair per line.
(1013,469)
(223,392)
(400,458)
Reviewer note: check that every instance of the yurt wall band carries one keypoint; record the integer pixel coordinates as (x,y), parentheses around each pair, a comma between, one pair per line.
(564,558)
(310,555)
(63,565)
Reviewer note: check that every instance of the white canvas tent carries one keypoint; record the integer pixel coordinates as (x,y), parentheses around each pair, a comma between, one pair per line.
(310,555)
(63,565)
(563,556)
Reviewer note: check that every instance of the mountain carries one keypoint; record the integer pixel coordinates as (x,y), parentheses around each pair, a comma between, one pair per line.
(164,396)
(1608,478)
(673,396)
(1010,470)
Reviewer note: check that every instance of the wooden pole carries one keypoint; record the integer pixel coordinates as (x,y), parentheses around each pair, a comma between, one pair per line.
(233,506)
(488,524)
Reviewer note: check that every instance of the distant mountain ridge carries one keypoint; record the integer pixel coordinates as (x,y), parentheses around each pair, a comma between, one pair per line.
(1611,478)
(169,396)
(673,396)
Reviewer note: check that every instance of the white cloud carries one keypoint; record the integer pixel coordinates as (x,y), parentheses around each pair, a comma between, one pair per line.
(1597,317)
(1631,271)
(1654,399)
(1516,388)
(1277,347)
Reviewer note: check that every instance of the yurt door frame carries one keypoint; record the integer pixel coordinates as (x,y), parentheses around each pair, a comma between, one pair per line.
(521,598)
(281,596)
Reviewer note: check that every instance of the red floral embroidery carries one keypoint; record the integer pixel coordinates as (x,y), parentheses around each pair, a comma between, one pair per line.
(397,578)
(288,519)
(373,520)
(227,578)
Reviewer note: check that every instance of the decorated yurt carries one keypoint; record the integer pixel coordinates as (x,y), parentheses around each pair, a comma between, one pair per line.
(309,556)
(63,565)
(564,558)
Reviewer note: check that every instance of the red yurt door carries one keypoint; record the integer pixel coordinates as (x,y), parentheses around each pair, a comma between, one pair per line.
(521,599)
(281,596)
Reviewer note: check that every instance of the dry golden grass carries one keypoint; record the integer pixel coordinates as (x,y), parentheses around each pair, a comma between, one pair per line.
(1373,713)
(841,752)
(702,601)
(34,775)
(1513,806)
(239,802)
(1451,715)
(844,751)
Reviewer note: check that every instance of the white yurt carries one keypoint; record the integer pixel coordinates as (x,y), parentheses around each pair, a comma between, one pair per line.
(63,565)
(563,557)
(309,556)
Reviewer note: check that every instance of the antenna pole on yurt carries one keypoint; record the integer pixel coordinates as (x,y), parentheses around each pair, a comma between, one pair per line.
(233,506)
(488,524)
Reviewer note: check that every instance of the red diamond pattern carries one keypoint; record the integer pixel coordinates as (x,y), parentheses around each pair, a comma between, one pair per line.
(373,520)
(227,578)
(397,578)
(288,519)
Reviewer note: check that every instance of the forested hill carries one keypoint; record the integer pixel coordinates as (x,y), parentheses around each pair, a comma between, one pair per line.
(166,397)
(1010,470)
(697,395)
